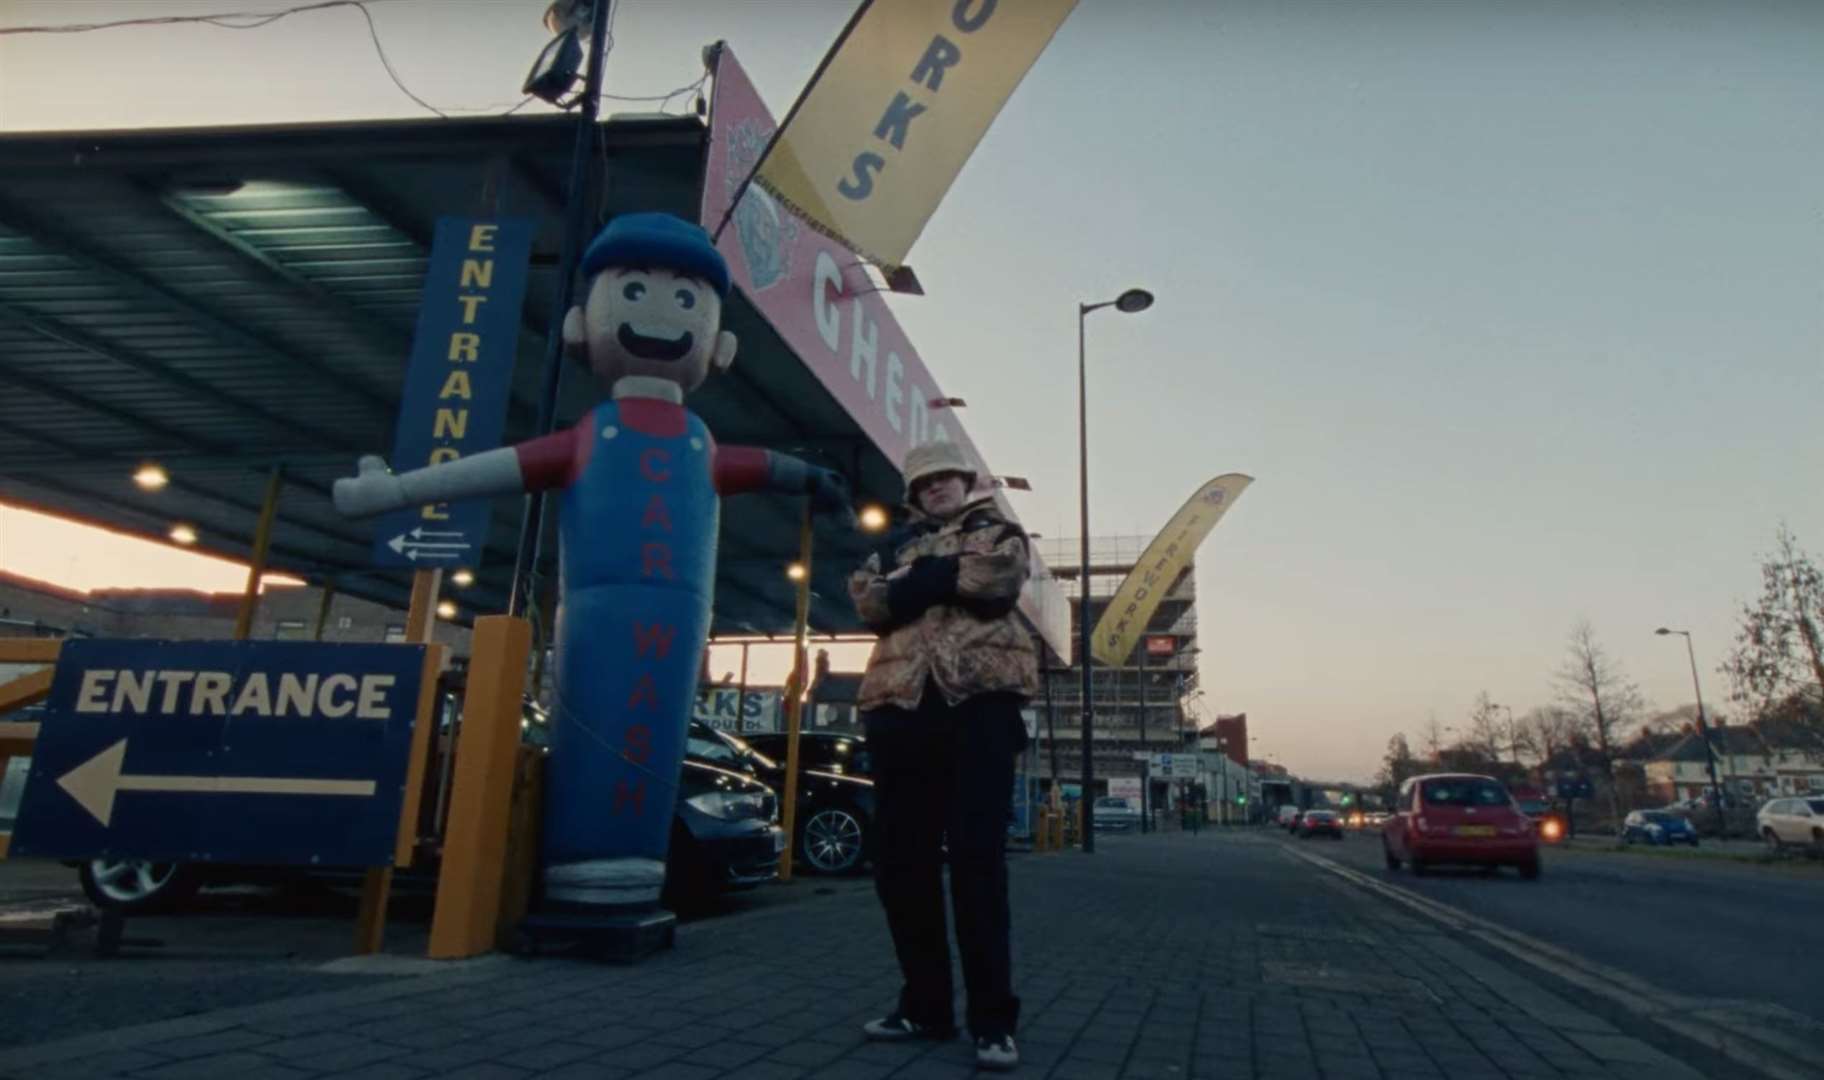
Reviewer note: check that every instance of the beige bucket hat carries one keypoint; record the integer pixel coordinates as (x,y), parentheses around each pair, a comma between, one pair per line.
(933,458)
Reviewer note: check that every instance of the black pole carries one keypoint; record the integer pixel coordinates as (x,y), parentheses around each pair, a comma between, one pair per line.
(576,219)
(1051,730)
(1083,629)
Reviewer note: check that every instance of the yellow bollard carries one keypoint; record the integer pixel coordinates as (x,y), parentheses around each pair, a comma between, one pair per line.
(471,880)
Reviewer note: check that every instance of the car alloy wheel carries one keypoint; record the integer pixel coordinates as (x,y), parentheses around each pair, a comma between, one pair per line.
(1773,841)
(131,884)
(832,841)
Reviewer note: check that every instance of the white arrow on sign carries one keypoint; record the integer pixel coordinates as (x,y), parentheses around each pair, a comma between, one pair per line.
(416,547)
(96,781)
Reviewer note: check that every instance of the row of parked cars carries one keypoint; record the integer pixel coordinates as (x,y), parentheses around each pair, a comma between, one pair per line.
(1787,822)
(725,831)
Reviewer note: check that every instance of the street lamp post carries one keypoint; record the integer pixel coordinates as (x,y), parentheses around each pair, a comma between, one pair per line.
(1703,728)
(1130,302)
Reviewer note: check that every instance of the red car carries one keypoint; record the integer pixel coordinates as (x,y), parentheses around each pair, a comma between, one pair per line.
(1459,819)
(1320,823)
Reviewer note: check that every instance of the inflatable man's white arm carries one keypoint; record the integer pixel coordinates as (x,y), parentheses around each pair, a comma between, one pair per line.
(375,489)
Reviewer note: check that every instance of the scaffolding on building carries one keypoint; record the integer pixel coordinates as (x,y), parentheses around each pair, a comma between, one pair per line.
(1141,707)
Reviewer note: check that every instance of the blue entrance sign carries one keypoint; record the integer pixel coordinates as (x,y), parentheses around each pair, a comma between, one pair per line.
(456,389)
(224,751)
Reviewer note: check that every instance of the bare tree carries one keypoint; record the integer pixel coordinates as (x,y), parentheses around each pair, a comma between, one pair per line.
(1777,648)
(1548,729)
(1470,757)
(1592,683)
(1519,739)
(1433,735)
(1396,766)
(1485,734)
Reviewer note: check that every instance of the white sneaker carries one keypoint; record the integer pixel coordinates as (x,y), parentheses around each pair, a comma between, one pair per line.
(999,1053)
(896,1028)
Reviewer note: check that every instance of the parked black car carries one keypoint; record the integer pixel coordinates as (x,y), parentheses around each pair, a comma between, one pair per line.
(835,813)
(724,836)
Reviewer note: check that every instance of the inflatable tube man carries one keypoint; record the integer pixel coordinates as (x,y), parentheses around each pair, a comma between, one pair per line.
(640,477)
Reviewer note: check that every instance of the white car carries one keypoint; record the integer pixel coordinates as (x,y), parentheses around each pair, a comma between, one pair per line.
(1797,820)
(1116,812)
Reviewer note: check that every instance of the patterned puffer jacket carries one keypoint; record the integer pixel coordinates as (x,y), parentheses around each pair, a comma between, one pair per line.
(941,595)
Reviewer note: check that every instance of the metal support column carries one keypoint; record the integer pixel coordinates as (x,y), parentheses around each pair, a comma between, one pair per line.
(799,680)
(256,563)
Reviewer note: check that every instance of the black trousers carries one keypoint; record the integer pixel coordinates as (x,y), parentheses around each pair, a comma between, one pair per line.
(943,782)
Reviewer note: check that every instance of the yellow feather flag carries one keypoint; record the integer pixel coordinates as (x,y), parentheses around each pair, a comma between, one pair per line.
(1126,616)
(888,120)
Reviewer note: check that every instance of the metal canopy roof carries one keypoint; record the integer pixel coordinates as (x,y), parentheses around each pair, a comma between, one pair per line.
(223,300)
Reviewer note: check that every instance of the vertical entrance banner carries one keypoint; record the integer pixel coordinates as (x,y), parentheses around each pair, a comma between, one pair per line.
(456,389)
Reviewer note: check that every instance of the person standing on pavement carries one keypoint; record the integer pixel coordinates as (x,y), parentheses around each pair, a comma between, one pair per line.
(941,702)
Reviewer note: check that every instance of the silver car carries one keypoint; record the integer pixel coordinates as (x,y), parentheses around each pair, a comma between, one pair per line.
(1115,812)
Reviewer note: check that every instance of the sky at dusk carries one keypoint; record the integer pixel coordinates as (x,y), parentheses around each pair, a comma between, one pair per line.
(1513,311)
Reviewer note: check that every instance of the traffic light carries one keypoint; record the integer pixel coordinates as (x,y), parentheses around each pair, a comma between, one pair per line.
(1347,799)
(1241,800)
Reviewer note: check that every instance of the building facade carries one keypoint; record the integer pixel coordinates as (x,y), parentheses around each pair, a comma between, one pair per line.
(1753,762)
(286,613)
(1138,707)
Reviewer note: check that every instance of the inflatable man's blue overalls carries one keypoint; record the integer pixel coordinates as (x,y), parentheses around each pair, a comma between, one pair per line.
(641,478)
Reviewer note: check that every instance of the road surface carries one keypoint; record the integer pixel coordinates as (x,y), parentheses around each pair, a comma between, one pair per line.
(1689,925)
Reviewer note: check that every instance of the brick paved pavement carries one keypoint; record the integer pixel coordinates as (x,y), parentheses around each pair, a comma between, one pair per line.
(1175,956)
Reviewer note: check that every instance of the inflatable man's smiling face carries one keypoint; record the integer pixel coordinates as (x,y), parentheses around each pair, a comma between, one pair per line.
(654,303)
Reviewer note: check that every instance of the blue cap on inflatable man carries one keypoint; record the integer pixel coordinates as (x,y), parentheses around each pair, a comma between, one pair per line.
(659,241)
